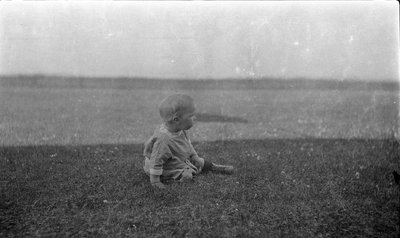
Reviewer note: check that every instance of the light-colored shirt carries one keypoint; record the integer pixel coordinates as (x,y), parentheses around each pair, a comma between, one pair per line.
(169,154)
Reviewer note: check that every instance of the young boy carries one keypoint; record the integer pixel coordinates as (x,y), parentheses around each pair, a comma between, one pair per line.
(169,154)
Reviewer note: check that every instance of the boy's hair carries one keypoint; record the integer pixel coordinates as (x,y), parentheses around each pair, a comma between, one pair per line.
(175,105)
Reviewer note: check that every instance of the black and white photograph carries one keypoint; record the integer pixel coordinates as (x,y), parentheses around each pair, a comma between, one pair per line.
(199,119)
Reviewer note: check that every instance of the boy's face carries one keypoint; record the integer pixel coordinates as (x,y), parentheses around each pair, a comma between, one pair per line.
(186,121)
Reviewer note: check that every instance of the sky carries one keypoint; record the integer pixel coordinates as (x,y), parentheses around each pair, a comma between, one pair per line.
(279,39)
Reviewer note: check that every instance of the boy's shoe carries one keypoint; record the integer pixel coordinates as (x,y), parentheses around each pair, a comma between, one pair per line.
(224,169)
(396,177)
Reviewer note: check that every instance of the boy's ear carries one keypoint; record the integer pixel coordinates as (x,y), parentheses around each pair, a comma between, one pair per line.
(175,117)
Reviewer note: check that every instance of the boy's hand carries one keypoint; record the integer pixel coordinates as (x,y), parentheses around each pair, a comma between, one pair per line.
(155,181)
(187,175)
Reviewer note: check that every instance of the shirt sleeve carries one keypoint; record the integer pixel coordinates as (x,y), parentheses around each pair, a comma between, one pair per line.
(148,147)
(159,155)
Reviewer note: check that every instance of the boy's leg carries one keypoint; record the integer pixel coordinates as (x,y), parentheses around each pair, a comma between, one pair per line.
(208,166)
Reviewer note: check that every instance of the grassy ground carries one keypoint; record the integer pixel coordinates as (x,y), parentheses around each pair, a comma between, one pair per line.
(309,164)
(298,188)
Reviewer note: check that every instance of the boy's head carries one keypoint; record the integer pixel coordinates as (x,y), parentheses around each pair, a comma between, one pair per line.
(177,112)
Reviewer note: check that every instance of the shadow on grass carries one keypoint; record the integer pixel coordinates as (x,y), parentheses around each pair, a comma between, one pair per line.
(207,117)
(308,187)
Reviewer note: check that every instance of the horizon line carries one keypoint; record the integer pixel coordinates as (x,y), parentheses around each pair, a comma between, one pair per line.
(180,78)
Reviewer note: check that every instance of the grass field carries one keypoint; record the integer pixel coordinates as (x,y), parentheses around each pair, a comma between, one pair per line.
(310,163)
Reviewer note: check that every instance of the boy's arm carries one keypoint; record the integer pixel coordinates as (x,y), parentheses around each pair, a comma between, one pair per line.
(159,155)
(194,157)
(148,146)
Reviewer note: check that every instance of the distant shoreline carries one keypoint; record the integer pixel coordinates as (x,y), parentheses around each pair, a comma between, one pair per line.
(130,83)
